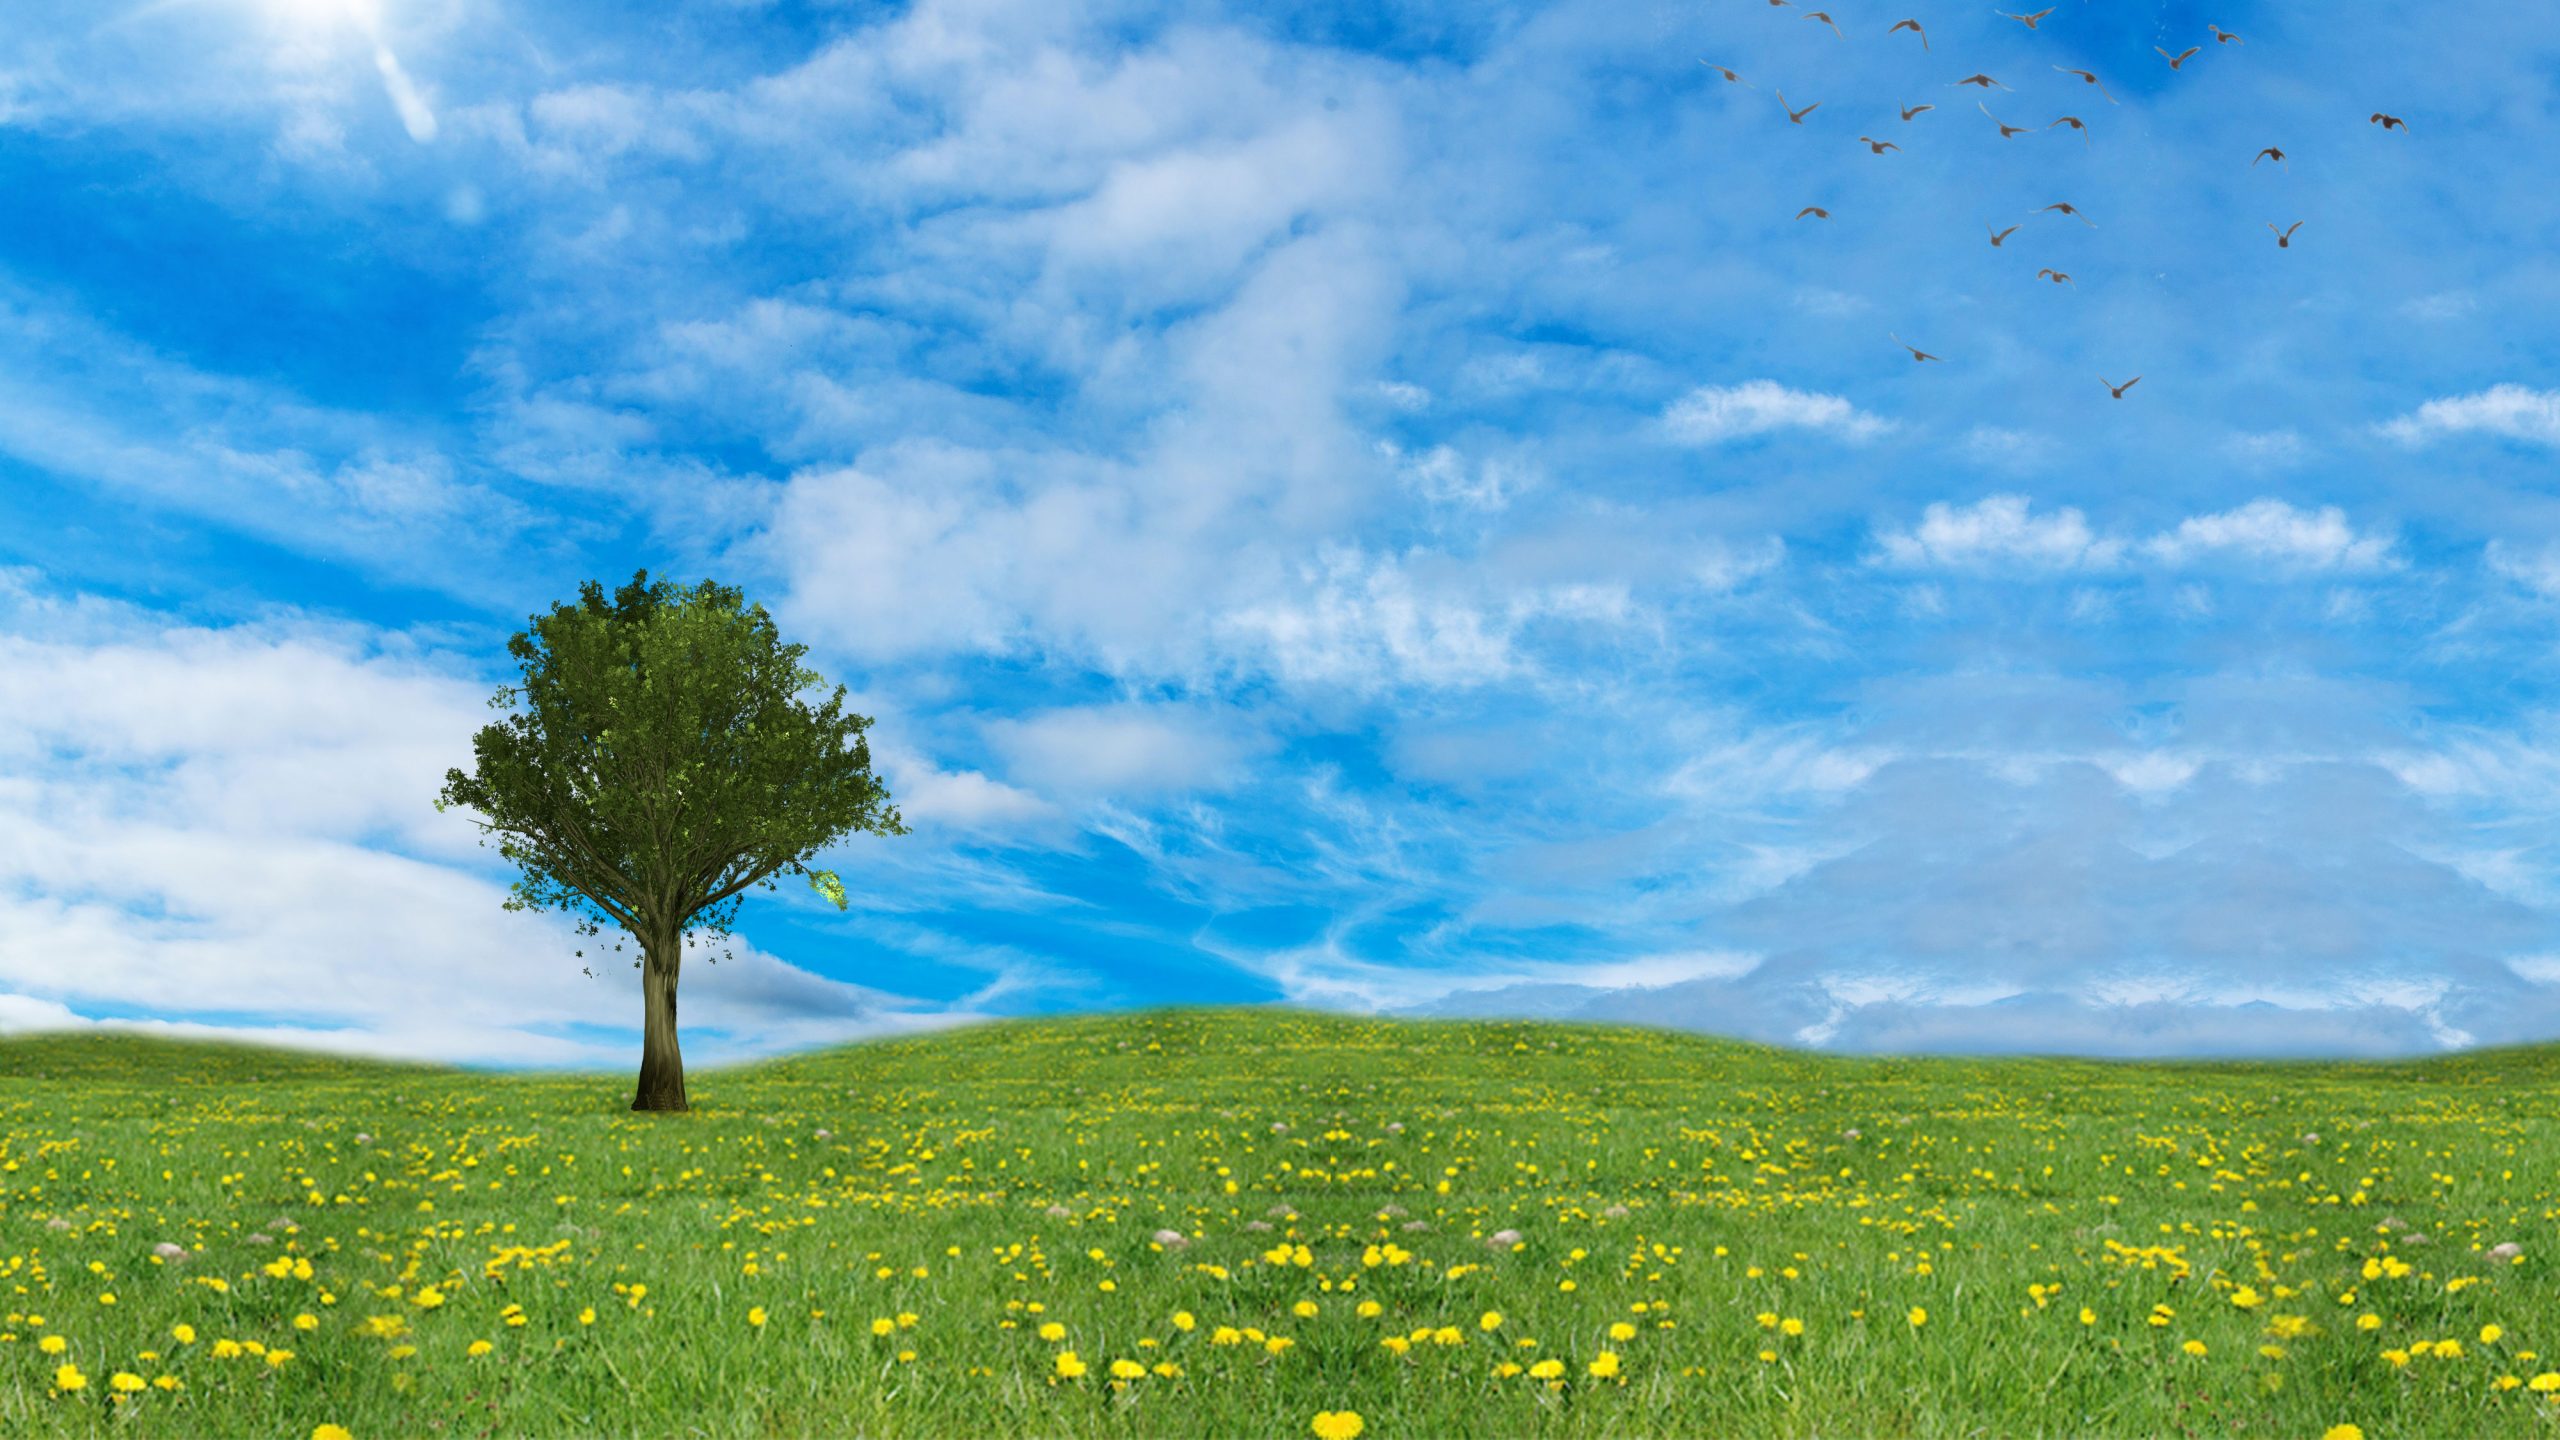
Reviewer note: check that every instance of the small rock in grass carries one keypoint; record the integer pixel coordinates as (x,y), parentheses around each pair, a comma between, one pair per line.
(1416,1227)
(1502,1239)
(2507,1250)
(257,1237)
(1257,1225)
(1617,1212)
(1058,1212)
(168,1251)
(57,1223)
(1172,1239)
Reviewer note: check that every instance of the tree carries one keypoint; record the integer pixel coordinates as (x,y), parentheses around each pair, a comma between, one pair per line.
(662,765)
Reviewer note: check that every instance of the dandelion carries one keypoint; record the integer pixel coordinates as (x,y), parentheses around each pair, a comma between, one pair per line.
(186,1334)
(1069,1367)
(587,1315)
(1623,1332)
(1918,1317)
(478,1348)
(2343,1432)
(68,1378)
(53,1344)
(2545,1383)
(331,1432)
(1489,1321)
(1337,1424)
(1304,1309)
(306,1321)
(1127,1370)
(1546,1370)
(427,1299)
(2194,1347)
(1053,1332)
(2489,1334)
(755,1316)
(1605,1364)
(884,1326)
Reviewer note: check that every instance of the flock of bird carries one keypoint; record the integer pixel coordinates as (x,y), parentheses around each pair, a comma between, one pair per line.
(2221,37)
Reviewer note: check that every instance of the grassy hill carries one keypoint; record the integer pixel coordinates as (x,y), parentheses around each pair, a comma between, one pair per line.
(962,1234)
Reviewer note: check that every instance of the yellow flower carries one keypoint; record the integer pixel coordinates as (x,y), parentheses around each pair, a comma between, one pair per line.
(1304,1309)
(186,1334)
(1127,1370)
(1622,1332)
(69,1378)
(127,1382)
(478,1348)
(53,1344)
(2088,1316)
(1069,1367)
(1605,1364)
(2489,1334)
(2194,1347)
(2343,1432)
(2546,1382)
(1369,1310)
(1918,1317)
(1337,1424)
(276,1358)
(2246,1298)
(1182,1319)
(884,1326)
(1489,1320)
(306,1321)
(2368,1321)
(1790,1326)
(1546,1370)
(331,1432)
(427,1299)
(1053,1332)
(225,1349)
(755,1315)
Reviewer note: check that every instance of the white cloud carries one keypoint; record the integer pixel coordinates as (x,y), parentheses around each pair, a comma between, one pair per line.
(1998,530)
(1712,414)
(1124,750)
(2271,530)
(2509,410)
(2537,570)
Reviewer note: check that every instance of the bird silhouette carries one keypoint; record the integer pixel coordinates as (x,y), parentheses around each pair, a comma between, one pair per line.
(1917,354)
(1878,147)
(2177,60)
(1729,75)
(1825,19)
(1985,81)
(2118,390)
(2065,207)
(1910,110)
(2027,20)
(2074,122)
(1999,235)
(2222,35)
(2056,276)
(2006,130)
(1814,210)
(2388,122)
(2270,153)
(1914,27)
(1793,113)
(587,971)
(2284,237)
(2091,79)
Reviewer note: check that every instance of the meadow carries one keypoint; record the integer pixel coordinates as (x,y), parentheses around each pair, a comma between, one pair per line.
(1270,1223)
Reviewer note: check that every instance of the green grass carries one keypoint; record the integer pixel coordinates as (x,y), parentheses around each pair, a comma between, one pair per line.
(1681,1187)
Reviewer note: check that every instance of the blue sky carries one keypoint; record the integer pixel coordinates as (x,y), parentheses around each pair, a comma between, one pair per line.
(1379,507)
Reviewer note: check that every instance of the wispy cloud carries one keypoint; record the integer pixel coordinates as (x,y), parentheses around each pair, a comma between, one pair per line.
(1713,414)
(2273,531)
(2514,411)
(1999,530)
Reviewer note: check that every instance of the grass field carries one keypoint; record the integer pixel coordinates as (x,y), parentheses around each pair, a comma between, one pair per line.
(958,1235)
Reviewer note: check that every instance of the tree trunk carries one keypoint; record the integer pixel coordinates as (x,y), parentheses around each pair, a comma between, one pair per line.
(661,1064)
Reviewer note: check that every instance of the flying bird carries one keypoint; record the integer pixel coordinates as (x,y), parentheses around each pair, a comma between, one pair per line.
(1914,27)
(2006,129)
(1729,75)
(2074,122)
(1985,81)
(1878,147)
(2177,60)
(1814,210)
(1998,235)
(2065,207)
(2284,237)
(2270,153)
(1793,113)
(2118,390)
(2056,276)
(2222,35)
(1825,19)
(2092,79)
(1917,354)
(2027,20)
(1910,110)
(2387,122)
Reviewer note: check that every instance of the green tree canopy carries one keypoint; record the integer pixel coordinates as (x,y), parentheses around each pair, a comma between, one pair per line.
(661,764)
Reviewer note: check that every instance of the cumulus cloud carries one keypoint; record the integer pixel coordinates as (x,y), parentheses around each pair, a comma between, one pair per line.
(1713,414)
(1998,531)
(2514,411)
(2273,531)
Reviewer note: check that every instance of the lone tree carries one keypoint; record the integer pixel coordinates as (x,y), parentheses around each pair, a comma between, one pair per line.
(662,765)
